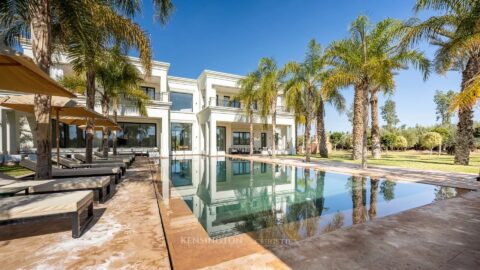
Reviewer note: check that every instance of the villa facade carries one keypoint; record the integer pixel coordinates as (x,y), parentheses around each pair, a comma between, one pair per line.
(184,117)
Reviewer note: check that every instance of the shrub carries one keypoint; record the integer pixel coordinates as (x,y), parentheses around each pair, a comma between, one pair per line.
(388,140)
(431,140)
(400,142)
(336,139)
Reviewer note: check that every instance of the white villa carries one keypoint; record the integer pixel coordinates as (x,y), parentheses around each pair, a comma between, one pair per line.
(185,117)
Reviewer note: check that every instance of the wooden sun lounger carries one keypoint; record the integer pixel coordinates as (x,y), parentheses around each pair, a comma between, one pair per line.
(4,182)
(99,155)
(20,209)
(82,158)
(72,164)
(102,186)
(116,173)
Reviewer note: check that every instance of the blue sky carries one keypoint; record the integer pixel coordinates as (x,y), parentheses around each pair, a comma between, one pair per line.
(231,36)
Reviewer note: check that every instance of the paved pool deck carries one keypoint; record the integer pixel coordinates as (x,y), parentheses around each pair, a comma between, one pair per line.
(126,233)
(458,180)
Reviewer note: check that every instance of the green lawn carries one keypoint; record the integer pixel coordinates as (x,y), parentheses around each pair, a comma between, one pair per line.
(412,159)
(14,171)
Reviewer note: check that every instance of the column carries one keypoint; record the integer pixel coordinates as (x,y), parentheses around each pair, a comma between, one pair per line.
(213,137)
(165,136)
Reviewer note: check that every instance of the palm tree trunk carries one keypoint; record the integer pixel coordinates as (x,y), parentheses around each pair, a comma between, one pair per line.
(357,131)
(105,110)
(40,34)
(114,134)
(464,139)
(274,126)
(322,137)
(376,147)
(307,137)
(251,133)
(91,105)
(365,126)
(372,212)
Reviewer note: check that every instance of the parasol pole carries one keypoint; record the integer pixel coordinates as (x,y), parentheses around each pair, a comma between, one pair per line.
(57,128)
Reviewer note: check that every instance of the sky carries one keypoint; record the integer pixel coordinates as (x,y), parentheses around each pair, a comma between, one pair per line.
(231,36)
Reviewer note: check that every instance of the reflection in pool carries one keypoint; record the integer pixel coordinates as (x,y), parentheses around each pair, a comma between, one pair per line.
(283,202)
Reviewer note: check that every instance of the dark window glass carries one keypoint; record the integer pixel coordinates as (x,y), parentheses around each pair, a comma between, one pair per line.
(181,102)
(150,91)
(181,138)
(240,167)
(137,135)
(221,138)
(241,138)
(226,101)
(264,139)
(235,104)
(221,171)
(276,138)
(181,172)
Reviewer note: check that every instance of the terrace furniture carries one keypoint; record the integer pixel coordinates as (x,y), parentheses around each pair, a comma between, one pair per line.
(4,182)
(8,191)
(82,158)
(20,209)
(131,158)
(102,186)
(115,173)
(72,164)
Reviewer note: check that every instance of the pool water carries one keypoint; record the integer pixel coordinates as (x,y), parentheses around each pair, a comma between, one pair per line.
(270,201)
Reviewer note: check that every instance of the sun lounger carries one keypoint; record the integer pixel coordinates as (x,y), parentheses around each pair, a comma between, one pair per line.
(82,158)
(63,173)
(19,209)
(99,155)
(4,182)
(72,164)
(102,186)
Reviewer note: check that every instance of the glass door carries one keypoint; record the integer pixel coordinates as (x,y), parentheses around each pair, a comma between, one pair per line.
(264,139)
(221,138)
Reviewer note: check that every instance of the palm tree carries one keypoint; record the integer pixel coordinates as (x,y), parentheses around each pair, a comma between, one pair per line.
(118,78)
(350,61)
(385,42)
(272,81)
(51,21)
(302,93)
(248,96)
(455,33)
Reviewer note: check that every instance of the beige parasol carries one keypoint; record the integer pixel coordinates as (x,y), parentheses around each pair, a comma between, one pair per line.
(19,73)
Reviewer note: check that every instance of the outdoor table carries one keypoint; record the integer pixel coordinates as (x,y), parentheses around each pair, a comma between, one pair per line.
(11,191)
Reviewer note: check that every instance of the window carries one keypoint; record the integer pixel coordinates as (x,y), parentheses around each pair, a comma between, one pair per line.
(181,172)
(181,136)
(240,167)
(150,91)
(276,139)
(221,171)
(264,139)
(137,135)
(241,138)
(226,101)
(235,104)
(181,102)
(221,139)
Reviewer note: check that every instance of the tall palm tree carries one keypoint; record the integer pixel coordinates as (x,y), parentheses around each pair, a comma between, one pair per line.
(119,78)
(455,32)
(385,42)
(272,80)
(303,95)
(350,61)
(248,96)
(51,21)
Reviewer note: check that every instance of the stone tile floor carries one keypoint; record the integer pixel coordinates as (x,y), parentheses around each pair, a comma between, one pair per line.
(126,233)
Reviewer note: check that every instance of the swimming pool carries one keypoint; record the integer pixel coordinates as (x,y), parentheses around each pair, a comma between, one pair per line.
(270,201)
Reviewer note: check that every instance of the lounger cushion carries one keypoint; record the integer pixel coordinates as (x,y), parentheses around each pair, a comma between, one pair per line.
(4,182)
(29,164)
(43,204)
(38,186)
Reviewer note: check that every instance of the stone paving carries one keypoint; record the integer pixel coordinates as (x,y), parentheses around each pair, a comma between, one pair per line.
(442,235)
(126,233)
